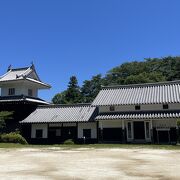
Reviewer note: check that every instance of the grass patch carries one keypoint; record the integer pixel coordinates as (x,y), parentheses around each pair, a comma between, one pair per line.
(11,145)
(95,146)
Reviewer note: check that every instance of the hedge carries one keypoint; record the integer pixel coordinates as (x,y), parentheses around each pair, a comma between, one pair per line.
(68,142)
(12,137)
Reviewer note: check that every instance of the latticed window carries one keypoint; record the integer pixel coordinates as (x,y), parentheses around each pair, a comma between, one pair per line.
(30,92)
(137,107)
(165,106)
(11,91)
(39,133)
(112,108)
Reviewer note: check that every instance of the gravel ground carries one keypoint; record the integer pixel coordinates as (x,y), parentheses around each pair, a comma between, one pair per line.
(56,163)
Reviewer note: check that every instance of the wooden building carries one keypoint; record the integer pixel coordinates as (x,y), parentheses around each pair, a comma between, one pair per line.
(19,93)
(56,123)
(140,113)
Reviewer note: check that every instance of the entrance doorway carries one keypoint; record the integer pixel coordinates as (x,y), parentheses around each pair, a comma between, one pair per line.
(139,131)
(163,136)
(69,133)
(112,134)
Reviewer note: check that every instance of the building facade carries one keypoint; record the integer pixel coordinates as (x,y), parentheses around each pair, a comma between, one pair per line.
(19,93)
(140,113)
(56,123)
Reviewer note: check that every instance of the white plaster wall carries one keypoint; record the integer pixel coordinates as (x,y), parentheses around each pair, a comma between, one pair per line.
(4,91)
(69,124)
(55,125)
(34,127)
(164,123)
(145,107)
(92,126)
(175,106)
(34,90)
(117,108)
(149,107)
(110,124)
(19,90)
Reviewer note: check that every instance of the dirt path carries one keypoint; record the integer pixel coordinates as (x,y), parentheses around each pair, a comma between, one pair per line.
(89,164)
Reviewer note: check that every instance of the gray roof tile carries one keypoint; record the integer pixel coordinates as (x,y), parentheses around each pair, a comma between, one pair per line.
(142,115)
(22,74)
(61,113)
(14,74)
(151,93)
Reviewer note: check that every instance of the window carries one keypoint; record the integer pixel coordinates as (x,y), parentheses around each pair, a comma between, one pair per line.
(11,91)
(30,92)
(58,132)
(87,133)
(137,107)
(165,106)
(111,108)
(54,132)
(39,133)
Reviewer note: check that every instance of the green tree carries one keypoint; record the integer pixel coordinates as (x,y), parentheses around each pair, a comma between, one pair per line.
(59,98)
(91,88)
(144,78)
(147,71)
(73,94)
(4,115)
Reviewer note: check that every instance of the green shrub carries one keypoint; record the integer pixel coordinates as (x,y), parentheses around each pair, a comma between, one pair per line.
(13,137)
(178,122)
(68,141)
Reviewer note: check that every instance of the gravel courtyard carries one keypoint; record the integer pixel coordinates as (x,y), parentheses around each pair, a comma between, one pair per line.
(90,163)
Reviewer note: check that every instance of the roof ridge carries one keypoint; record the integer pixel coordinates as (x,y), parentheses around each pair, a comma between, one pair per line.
(24,73)
(140,112)
(141,85)
(19,69)
(5,74)
(64,105)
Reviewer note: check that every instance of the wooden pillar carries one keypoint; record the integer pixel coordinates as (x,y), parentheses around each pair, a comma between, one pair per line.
(157,136)
(123,132)
(62,131)
(77,139)
(97,130)
(151,132)
(101,131)
(177,134)
(169,137)
(48,131)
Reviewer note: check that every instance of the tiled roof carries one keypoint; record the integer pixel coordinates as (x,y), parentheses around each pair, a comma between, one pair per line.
(23,74)
(141,115)
(21,98)
(14,74)
(61,113)
(151,93)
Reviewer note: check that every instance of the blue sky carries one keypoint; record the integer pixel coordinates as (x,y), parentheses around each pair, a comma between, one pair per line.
(85,38)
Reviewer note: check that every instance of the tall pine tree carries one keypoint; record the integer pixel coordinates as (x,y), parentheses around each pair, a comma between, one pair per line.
(73,94)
